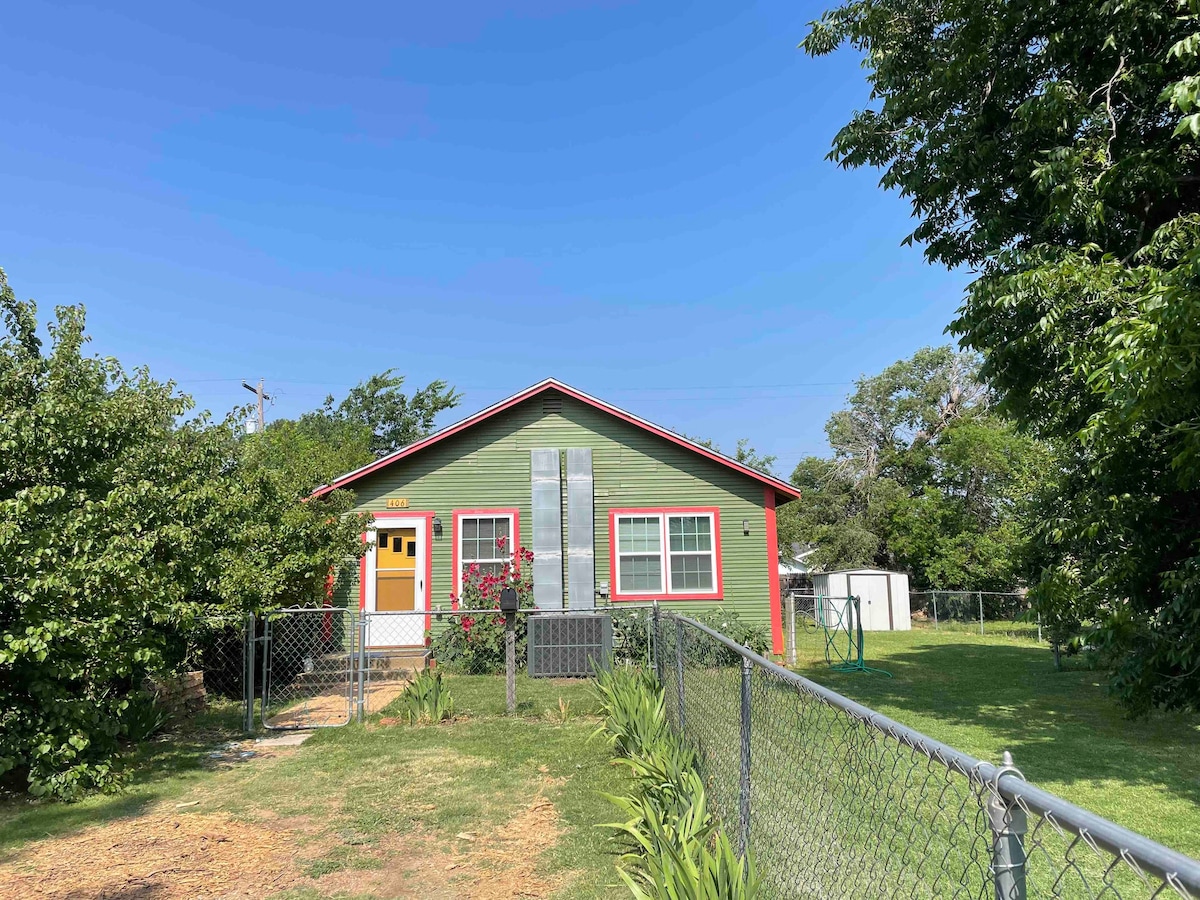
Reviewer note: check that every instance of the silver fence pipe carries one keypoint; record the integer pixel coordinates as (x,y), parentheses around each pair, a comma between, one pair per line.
(744,775)
(364,623)
(791,627)
(510,663)
(248,646)
(657,626)
(1170,866)
(981,612)
(679,672)
(935,621)
(1009,824)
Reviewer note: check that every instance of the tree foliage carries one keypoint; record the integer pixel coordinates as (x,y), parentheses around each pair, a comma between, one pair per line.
(744,453)
(393,418)
(1052,146)
(924,477)
(120,529)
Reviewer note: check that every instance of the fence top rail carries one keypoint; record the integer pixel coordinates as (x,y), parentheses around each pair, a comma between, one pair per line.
(1137,850)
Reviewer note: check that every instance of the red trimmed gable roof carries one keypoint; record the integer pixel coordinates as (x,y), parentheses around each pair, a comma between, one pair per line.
(782,488)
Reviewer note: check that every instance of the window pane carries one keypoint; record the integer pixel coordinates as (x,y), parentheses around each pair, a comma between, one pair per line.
(639,534)
(691,573)
(690,534)
(479,538)
(640,573)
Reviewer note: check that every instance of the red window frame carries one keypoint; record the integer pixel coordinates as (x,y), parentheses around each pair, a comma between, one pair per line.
(664,511)
(456,518)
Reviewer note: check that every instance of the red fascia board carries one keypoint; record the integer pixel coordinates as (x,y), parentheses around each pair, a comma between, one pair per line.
(789,492)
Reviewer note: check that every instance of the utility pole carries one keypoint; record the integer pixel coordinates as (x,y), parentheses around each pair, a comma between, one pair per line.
(258,392)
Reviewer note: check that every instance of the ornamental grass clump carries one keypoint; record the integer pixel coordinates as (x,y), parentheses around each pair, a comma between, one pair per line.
(680,850)
(426,700)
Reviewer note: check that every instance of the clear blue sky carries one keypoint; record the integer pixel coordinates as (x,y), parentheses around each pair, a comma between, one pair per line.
(631,197)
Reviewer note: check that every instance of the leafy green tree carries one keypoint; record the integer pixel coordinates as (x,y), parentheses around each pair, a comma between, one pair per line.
(394,419)
(924,477)
(1051,146)
(120,531)
(744,453)
(312,450)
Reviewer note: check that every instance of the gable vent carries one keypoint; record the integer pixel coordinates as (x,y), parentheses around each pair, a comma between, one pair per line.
(551,405)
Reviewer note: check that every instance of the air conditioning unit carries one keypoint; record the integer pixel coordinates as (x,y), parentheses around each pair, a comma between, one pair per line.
(569,646)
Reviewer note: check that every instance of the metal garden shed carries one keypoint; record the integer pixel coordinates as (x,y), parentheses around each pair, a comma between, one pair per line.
(883,595)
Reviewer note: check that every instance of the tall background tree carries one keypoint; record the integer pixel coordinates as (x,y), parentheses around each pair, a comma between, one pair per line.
(1051,146)
(924,476)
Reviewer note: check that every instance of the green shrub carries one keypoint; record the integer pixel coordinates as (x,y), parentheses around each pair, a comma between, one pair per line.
(426,700)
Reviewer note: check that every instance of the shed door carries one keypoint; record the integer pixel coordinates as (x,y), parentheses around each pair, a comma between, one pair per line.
(872,591)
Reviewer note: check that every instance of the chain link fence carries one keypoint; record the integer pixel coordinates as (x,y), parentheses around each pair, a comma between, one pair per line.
(838,801)
(988,612)
(324,667)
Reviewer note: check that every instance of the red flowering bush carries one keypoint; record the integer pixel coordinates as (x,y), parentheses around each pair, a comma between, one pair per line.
(474,643)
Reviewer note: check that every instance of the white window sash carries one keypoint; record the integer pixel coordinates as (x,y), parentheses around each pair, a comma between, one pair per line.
(711,552)
(662,576)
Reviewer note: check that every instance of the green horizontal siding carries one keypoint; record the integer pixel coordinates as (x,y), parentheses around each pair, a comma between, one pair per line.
(488,466)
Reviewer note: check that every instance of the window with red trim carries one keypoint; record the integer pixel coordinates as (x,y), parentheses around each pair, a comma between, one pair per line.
(484,539)
(666,553)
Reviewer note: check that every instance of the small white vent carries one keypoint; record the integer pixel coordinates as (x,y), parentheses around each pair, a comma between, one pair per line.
(551,405)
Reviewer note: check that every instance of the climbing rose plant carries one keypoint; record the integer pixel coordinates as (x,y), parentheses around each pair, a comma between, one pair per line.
(474,643)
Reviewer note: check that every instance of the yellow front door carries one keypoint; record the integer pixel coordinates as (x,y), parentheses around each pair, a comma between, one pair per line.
(395,569)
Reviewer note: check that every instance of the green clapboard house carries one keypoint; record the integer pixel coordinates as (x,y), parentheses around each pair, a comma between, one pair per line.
(615,509)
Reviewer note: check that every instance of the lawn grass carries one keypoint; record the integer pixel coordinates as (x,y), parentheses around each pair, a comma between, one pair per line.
(987,694)
(370,796)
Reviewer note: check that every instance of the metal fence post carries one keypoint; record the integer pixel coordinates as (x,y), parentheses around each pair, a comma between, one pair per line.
(248,674)
(935,622)
(981,612)
(1039,617)
(679,673)
(1008,823)
(655,624)
(744,780)
(791,627)
(364,622)
(510,662)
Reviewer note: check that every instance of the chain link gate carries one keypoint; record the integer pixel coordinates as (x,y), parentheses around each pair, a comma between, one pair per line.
(308,660)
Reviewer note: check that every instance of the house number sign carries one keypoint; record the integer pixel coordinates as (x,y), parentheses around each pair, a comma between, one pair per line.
(397,503)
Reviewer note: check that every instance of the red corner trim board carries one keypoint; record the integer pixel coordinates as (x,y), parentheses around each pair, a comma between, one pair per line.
(773,572)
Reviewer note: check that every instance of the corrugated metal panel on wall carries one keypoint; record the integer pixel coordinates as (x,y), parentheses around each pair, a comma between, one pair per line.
(581,553)
(546,500)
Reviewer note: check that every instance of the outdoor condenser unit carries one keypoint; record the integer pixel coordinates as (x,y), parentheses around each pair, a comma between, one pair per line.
(568,646)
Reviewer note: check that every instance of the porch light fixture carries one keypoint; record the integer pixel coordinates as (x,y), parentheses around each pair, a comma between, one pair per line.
(437,528)
(746,527)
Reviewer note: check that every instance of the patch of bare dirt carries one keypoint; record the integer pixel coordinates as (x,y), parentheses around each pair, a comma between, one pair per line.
(500,864)
(156,857)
